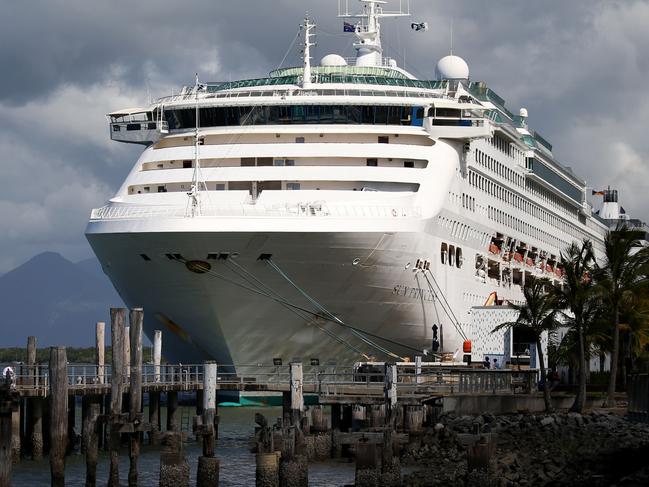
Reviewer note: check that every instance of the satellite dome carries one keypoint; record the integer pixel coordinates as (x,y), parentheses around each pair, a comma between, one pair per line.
(333,60)
(452,67)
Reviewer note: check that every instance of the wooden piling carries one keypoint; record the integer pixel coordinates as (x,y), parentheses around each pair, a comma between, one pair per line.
(368,464)
(72,421)
(267,469)
(36,428)
(358,417)
(127,351)
(154,417)
(208,465)
(117,319)
(296,396)
(9,402)
(136,317)
(413,419)
(319,423)
(100,350)
(173,421)
(174,469)
(15,436)
(91,437)
(58,396)
(157,354)
(390,466)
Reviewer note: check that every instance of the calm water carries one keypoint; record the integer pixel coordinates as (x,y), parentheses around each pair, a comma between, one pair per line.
(236,428)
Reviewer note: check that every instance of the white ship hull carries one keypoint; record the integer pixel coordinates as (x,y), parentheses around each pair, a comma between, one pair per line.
(365,279)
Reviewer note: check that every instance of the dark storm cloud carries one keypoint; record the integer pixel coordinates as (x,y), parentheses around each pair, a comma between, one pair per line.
(579,66)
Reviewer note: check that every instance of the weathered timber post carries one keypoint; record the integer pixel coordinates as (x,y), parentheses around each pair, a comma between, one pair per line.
(36,428)
(390,467)
(267,459)
(208,464)
(117,318)
(368,464)
(480,454)
(136,317)
(157,354)
(31,359)
(173,423)
(174,469)
(358,417)
(127,351)
(72,421)
(100,350)
(413,419)
(59,414)
(293,467)
(418,369)
(15,435)
(91,437)
(154,417)
(377,415)
(9,402)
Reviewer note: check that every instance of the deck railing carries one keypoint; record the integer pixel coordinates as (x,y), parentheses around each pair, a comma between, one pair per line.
(310,209)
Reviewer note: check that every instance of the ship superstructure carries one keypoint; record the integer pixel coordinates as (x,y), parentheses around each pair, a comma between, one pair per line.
(333,211)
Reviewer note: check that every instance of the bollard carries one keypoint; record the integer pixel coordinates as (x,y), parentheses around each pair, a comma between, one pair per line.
(59,414)
(174,469)
(267,469)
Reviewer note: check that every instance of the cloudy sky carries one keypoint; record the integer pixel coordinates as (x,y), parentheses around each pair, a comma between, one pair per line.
(581,68)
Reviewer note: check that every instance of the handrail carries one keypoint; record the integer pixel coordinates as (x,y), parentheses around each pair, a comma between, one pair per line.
(323,380)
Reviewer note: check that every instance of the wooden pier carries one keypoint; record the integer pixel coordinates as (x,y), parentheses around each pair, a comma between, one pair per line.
(374,404)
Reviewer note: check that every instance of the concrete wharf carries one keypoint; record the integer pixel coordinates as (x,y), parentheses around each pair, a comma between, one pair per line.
(38,406)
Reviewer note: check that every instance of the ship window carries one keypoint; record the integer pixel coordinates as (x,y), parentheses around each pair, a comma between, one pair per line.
(161,189)
(408,163)
(264,161)
(220,186)
(290,162)
(247,161)
(444,253)
(384,139)
(299,140)
(145,257)
(187,164)
(293,186)
(458,257)
(279,162)
(212,256)
(116,128)
(372,162)
(451,255)
(147,189)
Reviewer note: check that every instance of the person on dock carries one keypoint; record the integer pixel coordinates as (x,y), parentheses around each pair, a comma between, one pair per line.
(495,365)
(486,364)
(10,377)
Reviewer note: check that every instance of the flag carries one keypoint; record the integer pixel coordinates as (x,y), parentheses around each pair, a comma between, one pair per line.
(419,26)
(597,193)
(347,27)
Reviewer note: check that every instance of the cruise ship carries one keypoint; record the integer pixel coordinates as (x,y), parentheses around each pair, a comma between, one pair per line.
(336,211)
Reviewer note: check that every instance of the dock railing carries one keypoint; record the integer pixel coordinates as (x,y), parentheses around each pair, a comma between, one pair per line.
(326,380)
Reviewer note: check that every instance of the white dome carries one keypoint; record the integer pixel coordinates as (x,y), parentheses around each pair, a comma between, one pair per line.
(333,60)
(452,67)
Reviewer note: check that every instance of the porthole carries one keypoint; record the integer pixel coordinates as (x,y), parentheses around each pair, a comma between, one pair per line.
(444,253)
(356,261)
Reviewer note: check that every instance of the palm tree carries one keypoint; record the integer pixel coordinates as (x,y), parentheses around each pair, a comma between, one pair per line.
(578,301)
(617,279)
(537,315)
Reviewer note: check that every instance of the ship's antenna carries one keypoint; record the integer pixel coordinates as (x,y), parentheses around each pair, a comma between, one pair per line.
(306,76)
(194,208)
(451,37)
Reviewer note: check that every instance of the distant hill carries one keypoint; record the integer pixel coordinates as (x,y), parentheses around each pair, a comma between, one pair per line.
(56,300)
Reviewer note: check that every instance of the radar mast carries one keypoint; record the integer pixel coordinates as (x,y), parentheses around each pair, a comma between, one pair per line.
(368,28)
